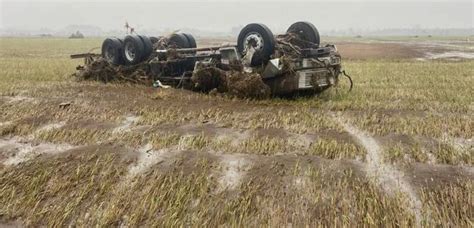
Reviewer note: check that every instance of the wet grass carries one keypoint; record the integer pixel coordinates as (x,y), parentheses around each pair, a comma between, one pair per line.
(87,190)
(56,188)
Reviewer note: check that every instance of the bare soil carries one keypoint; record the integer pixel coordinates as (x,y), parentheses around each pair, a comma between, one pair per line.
(360,51)
(366,49)
(123,104)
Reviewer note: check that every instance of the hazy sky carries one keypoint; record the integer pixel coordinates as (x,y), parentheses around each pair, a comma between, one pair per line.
(222,15)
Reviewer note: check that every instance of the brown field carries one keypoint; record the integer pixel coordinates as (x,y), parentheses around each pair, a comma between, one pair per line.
(396,151)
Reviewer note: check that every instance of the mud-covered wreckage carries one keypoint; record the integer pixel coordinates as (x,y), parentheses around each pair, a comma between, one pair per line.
(260,65)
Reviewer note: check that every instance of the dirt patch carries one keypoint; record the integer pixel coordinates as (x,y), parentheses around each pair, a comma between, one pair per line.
(235,136)
(12,224)
(126,125)
(431,176)
(19,99)
(51,126)
(91,125)
(421,51)
(18,150)
(5,123)
(356,51)
(234,167)
(271,133)
(147,157)
(459,144)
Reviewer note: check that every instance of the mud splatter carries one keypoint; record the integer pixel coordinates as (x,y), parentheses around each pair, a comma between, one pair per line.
(459,144)
(303,140)
(236,137)
(18,99)
(147,157)
(234,167)
(126,125)
(51,126)
(5,123)
(20,150)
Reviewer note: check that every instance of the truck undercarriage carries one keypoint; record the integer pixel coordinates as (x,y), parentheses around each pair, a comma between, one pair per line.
(260,65)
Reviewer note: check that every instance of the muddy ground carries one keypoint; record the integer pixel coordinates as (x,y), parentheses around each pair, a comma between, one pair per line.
(86,153)
(170,131)
(369,48)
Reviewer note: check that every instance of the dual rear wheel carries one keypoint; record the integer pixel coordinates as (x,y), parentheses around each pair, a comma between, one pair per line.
(134,49)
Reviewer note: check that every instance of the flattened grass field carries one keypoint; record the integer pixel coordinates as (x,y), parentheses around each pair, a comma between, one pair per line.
(396,151)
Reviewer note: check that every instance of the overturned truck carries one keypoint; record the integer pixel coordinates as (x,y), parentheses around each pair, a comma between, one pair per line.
(260,65)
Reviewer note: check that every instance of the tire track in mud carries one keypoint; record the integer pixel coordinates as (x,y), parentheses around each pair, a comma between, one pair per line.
(390,179)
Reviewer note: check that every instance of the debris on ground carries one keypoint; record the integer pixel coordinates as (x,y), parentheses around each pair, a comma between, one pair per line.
(209,78)
(101,70)
(64,105)
(236,83)
(241,84)
(260,65)
(158,84)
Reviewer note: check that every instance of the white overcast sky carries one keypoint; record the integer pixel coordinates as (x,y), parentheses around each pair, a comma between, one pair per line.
(222,15)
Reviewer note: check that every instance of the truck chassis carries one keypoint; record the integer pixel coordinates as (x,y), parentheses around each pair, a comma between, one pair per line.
(287,63)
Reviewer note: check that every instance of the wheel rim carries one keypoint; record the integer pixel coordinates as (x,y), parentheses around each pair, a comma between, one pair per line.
(255,40)
(130,51)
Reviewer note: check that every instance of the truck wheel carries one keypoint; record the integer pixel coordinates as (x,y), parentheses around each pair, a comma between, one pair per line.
(191,40)
(154,39)
(306,31)
(179,40)
(147,45)
(112,50)
(133,49)
(259,37)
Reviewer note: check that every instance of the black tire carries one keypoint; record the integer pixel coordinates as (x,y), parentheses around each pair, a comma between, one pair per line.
(178,40)
(133,49)
(191,40)
(148,45)
(306,31)
(112,50)
(264,50)
(154,39)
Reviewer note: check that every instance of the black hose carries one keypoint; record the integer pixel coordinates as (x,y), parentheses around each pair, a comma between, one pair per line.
(350,79)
